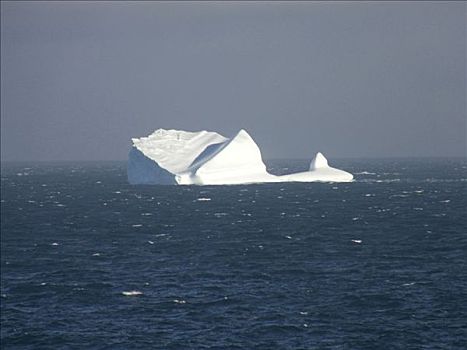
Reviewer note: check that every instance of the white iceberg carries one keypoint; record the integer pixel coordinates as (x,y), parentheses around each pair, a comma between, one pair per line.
(207,158)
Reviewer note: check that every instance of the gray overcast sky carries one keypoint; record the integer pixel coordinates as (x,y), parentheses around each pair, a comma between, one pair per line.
(79,79)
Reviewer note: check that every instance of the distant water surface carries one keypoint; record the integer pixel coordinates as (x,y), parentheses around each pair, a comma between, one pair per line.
(90,262)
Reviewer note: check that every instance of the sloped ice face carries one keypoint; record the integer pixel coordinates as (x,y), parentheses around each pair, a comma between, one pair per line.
(208,158)
(145,171)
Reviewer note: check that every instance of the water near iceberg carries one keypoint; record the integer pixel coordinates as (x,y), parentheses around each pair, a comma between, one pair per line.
(90,262)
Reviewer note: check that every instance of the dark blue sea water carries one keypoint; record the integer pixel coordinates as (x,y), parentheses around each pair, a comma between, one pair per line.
(380,263)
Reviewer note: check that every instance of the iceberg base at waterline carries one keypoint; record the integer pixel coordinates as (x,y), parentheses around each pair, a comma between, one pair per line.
(175,157)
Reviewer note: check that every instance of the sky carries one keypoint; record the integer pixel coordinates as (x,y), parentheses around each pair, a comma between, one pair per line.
(349,79)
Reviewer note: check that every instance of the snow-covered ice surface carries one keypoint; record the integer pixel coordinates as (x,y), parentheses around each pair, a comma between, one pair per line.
(208,158)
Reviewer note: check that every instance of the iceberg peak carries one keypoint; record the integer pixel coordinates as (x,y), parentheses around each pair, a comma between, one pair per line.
(208,158)
(243,132)
(319,161)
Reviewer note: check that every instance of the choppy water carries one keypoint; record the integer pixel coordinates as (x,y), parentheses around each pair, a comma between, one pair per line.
(380,263)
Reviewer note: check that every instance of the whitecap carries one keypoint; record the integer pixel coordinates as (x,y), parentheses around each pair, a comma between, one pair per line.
(203,199)
(358,241)
(150,242)
(96,254)
(132,293)
(408,284)
(179,301)
(387,181)
(54,243)
(288,237)
(137,225)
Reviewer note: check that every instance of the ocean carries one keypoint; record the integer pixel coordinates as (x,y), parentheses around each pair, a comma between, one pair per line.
(91,262)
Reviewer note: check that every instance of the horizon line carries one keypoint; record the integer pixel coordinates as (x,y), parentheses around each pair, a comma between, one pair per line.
(266,159)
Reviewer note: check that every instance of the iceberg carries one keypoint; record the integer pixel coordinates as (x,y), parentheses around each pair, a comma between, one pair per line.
(176,157)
